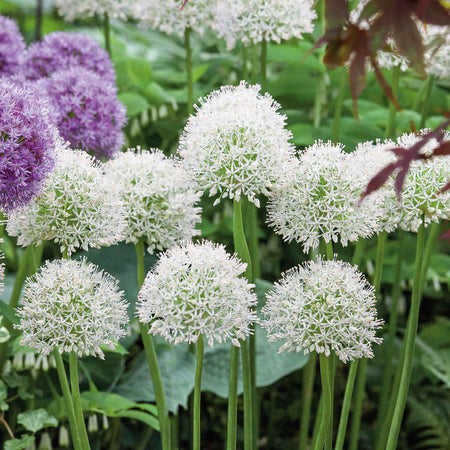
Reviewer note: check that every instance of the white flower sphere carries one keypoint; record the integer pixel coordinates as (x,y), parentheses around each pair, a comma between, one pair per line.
(72,306)
(198,289)
(253,21)
(320,200)
(237,144)
(72,10)
(323,306)
(159,197)
(78,207)
(169,17)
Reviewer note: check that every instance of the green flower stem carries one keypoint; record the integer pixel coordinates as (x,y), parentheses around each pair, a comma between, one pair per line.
(174,431)
(107,32)
(432,238)
(339,102)
(318,418)
(329,439)
(140,267)
(248,405)
(197,393)
(232,399)
(263,65)
(359,252)
(76,399)
(244,62)
(329,253)
(309,374)
(240,243)
(390,128)
(346,406)
(254,74)
(38,27)
(325,375)
(425,109)
(189,77)
(409,343)
(321,89)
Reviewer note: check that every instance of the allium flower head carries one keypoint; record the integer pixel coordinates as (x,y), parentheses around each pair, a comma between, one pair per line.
(197,290)
(237,144)
(253,21)
(159,196)
(88,112)
(323,306)
(12,47)
(320,200)
(72,306)
(27,143)
(78,208)
(71,10)
(169,17)
(61,51)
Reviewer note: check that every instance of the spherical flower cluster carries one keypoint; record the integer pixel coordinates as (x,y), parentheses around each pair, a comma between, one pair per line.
(12,47)
(27,143)
(197,290)
(71,10)
(78,208)
(253,21)
(61,51)
(320,200)
(159,197)
(437,55)
(237,144)
(169,17)
(72,306)
(88,112)
(323,306)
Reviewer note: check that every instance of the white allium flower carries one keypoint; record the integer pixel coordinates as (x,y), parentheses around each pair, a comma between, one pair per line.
(320,200)
(253,21)
(197,289)
(323,306)
(79,207)
(159,197)
(72,10)
(237,144)
(169,17)
(72,306)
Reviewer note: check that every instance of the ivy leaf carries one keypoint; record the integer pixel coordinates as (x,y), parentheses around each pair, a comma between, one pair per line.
(36,420)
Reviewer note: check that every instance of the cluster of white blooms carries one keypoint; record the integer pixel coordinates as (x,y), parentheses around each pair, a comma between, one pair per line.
(237,144)
(72,10)
(170,17)
(78,208)
(323,306)
(159,197)
(72,306)
(253,21)
(321,200)
(197,289)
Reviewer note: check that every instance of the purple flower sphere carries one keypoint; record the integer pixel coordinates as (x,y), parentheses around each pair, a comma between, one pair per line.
(27,144)
(88,112)
(12,47)
(60,51)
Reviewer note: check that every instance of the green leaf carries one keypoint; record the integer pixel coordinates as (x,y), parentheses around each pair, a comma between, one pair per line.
(4,335)
(9,312)
(135,103)
(106,402)
(198,71)
(20,444)
(139,71)
(3,396)
(157,95)
(146,418)
(36,420)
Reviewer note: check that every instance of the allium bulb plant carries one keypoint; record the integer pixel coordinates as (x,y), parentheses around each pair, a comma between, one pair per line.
(78,208)
(62,51)
(253,21)
(320,200)
(159,196)
(12,47)
(236,143)
(88,113)
(27,144)
(88,8)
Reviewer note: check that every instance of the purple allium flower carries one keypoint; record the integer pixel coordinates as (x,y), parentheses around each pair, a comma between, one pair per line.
(12,47)
(27,144)
(61,51)
(89,114)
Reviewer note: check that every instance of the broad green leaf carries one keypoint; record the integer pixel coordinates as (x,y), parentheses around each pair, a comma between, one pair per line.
(4,335)
(36,420)
(157,95)
(198,71)
(9,313)
(144,417)
(19,444)
(135,103)
(104,373)
(106,402)
(139,71)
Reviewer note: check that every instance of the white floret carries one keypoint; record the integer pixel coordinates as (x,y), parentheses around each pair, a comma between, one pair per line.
(80,9)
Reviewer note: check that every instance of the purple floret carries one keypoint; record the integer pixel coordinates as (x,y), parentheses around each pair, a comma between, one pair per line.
(89,114)
(12,47)
(27,144)
(61,51)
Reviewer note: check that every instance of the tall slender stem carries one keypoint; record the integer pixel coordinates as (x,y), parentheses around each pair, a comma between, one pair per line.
(309,373)
(321,89)
(232,399)
(244,62)
(189,77)
(197,393)
(359,252)
(107,32)
(67,400)
(248,405)
(424,110)
(329,253)
(325,376)
(432,238)
(339,102)
(409,343)
(390,128)
(38,28)
(264,65)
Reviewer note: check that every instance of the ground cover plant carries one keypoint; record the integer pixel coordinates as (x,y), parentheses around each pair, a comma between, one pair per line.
(224,224)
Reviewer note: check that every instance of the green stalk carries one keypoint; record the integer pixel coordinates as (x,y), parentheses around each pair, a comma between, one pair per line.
(329,251)
(264,65)
(338,106)
(189,78)
(67,401)
(197,393)
(325,376)
(307,393)
(248,405)
(432,238)
(174,431)
(321,89)
(107,33)
(244,62)
(346,406)
(409,343)
(232,399)
(329,439)
(425,109)
(390,128)
(317,421)
(38,28)
(76,398)
(359,252)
